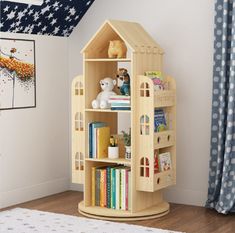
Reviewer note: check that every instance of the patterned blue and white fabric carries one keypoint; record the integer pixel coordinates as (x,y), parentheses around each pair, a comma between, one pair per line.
(53,17)
(221,192)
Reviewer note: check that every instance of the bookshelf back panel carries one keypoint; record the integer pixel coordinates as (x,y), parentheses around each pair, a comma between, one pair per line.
(94,72)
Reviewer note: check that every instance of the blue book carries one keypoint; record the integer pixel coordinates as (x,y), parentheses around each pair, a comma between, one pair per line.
(94,126)
(120,104)
(120,108)
(90,139)
(159,120)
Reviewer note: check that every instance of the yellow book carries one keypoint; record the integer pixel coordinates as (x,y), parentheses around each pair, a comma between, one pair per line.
(102,137)
(102,189)
(93,170)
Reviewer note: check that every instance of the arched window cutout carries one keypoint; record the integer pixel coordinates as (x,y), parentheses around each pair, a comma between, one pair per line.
(144,167)
(144,90)
(78,88)
(79,121)
(144,125)
(79,161)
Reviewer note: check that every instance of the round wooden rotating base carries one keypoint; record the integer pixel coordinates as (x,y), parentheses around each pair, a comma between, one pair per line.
(121,215)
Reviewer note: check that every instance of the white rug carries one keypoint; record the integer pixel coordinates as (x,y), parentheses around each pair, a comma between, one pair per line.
(29,221)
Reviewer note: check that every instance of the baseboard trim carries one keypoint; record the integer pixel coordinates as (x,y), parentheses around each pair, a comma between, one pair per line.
(76,187)
(33,192)
(185,196)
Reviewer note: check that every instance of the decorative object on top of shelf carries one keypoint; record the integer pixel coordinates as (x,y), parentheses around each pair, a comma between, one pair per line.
(101,101)
(117,49)
(127,142)
(123,81)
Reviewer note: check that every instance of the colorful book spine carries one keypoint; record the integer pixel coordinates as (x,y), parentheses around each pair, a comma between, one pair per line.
(120,105)
(93,186)
(126,189)
(117,189)
(123,189)
(90,139)
(113,188)
(129,189)
(94,127)
(108,196)
(120,108)
(105,188)
(97,187)
(120,97)
(102,188)
(120,189)
(119,101)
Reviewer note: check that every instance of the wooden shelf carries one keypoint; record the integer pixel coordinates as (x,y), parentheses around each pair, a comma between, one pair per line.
(105,110)
(155,211)
(108,59)
(146,199)
(107,160)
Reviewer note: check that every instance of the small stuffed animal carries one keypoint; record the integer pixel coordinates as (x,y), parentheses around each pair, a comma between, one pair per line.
(101,101)
(117,49)
(123,81)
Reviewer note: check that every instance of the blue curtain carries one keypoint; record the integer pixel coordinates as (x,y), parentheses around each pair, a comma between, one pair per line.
(221,191)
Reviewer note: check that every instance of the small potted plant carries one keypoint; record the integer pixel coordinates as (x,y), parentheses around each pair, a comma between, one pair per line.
(127,142)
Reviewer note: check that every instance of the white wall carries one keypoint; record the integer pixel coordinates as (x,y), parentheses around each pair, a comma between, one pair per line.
(184,29)
(34,159)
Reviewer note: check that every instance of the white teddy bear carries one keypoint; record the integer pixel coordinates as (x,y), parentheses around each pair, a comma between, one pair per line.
(101,101)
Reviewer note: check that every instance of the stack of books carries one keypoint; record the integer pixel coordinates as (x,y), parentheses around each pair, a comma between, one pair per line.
(111,187)
(99,136)
(120,102)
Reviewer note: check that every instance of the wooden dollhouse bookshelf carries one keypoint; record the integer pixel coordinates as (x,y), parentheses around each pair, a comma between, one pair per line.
(143,54)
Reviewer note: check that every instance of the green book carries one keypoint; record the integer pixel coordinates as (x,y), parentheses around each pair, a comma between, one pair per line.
(108,180)
(113,188)
(97,187)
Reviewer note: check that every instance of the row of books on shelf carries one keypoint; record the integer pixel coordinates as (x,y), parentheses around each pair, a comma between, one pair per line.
(99,135)
(111,187)
(120,102)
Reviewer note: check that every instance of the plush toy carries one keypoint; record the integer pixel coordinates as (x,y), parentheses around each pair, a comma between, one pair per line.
(117,49)
(101,101)
(123,81)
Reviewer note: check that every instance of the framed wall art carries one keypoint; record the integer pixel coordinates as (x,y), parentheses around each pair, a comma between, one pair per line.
(17,74)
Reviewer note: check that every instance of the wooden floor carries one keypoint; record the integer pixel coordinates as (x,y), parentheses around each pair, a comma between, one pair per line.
(181,217)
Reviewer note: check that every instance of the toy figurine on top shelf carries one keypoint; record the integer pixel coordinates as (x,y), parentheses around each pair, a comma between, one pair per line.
(123,81)
(122,101)
(117,49)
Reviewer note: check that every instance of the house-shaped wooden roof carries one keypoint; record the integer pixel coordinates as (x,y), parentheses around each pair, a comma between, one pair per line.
(133,34)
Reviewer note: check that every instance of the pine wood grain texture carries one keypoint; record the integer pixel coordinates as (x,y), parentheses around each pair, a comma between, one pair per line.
(185,218)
